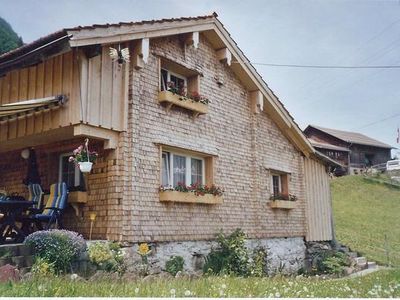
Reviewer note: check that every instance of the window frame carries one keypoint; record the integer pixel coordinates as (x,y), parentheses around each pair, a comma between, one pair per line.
(188,170)
(279,184)
(284,179)
(77,174)
(169,73)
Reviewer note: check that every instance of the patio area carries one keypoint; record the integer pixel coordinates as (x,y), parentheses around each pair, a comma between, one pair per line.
(46,165)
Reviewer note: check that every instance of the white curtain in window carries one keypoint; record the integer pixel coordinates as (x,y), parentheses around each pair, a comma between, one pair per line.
(165,169)
(197,171)
(179,170)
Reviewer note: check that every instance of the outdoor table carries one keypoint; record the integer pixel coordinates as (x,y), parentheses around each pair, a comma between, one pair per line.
(11,209)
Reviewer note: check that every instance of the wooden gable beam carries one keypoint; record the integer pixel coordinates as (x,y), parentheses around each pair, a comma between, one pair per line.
(141,53)
(257,101)
(193,39)
(225,56)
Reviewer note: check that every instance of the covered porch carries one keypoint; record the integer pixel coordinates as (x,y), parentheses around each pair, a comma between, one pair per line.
(88,194)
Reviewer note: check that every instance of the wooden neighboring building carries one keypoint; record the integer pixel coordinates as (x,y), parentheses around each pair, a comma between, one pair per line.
(354,151)
(244,140)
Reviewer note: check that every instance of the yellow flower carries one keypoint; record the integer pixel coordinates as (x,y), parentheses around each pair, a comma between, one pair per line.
(143,249)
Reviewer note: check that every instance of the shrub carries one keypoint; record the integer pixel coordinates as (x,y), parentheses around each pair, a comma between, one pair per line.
(174,265)
(42,267)
(259,262)
(231,257)
(107,256)
(59,247)
(335,263)
(331,262)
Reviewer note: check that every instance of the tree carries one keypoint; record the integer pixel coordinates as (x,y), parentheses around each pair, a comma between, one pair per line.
(8,38)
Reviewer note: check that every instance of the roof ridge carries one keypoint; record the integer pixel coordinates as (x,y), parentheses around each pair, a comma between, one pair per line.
(42,40)
(346,136)
(142,22)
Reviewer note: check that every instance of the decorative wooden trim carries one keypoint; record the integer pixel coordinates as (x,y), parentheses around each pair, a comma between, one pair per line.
(225,56)
(284,204)
(174,99)
(192,39)
(257,101)
(77,199)
(189,197)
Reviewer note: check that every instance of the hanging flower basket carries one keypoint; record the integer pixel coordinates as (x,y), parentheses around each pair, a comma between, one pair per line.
(84,158)
(85,166)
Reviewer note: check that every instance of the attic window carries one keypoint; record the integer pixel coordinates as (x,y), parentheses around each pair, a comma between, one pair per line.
(168,77)
(179,75)
(180,86)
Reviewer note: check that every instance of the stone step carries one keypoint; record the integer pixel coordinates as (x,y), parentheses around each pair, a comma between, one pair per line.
(18,261)
(25,270)
(360,261)
(15,250)
(372,265)
(24,250)
(5,261)
(353,254)
(9,250)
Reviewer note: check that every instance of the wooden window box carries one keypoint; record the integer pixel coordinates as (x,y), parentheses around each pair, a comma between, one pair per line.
(188,197)
(77,199)
(284,204)
(174,99)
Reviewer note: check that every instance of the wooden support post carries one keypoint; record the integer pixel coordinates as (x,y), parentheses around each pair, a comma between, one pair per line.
(141,53)
(224,55)
(193,39)
(257,101)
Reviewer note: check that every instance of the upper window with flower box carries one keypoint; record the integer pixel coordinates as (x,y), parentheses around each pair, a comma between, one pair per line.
(180,86)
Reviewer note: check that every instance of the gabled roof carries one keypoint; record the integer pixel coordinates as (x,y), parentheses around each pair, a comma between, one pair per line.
(351,137)
(327,146)
(208,25)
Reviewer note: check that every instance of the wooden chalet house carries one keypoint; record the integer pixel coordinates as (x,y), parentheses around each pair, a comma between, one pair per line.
(241,139)
(353,151)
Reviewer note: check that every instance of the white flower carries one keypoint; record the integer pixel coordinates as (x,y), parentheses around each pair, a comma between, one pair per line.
(187,293)
(223,286)
(74,276)
(172,291)
(136,290)
(277,295)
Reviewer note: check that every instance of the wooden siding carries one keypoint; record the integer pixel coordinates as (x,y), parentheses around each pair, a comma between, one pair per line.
(97,91)
(319,218)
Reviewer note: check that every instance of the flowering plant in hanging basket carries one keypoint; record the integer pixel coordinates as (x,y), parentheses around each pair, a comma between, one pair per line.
(83,157)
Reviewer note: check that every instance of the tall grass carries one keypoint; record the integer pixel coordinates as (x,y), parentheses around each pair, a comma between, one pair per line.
(365,212)
(379,284)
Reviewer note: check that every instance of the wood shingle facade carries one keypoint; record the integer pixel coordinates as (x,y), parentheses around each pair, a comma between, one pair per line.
(243,140)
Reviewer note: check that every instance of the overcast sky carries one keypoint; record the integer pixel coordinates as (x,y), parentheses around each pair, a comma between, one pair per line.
(312,32)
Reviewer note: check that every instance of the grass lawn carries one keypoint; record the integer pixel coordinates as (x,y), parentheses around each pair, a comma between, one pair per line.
(379,284)
(364,213)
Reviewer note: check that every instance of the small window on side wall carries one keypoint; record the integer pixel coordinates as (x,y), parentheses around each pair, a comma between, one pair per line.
(279,185)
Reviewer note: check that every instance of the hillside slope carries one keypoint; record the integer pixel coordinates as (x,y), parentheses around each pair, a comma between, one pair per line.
(364,213)
(8,38)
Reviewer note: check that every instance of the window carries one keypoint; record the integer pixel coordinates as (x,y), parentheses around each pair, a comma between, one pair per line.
(181,168)
(70,174)
(280,186)
(169,76)
(276,185)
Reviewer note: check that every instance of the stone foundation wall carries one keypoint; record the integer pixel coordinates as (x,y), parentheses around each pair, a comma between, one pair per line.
(285,255)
